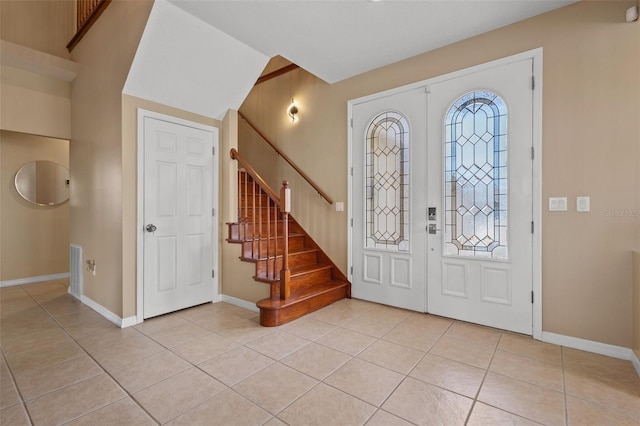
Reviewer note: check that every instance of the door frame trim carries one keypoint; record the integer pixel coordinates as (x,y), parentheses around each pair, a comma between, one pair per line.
(536,56)
(142,114)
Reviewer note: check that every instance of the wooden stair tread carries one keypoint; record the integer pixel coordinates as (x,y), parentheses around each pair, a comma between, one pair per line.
(295,272)
(257,238)
(301,295)
(300,251)
(248,240)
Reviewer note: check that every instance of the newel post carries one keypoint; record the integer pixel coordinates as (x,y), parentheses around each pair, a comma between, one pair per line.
(285,208)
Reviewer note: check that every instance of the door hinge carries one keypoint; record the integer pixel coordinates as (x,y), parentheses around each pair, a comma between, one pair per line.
(352,171)
(352,270)
(533,152)
(213,273)
(533,83)
(532,227)
(213,150)
(213,212)
(532,296)
(351,122)
(351,221)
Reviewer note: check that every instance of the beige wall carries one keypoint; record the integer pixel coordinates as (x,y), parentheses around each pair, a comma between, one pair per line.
(44,25)
(591,137)
(96,151)
(130,107)
(34,240)
(34,103)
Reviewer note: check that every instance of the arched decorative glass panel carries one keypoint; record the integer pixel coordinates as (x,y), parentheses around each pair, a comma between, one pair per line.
(387,182)
(476,177)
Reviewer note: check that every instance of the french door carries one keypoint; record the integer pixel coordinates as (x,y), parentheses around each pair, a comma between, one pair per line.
(480,255)
(389,168)
(459,219)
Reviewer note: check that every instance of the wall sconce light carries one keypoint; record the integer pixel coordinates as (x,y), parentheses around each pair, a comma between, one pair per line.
(292,110)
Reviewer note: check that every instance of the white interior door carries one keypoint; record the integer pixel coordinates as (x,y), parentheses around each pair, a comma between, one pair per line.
(480,184)
(388,200)
(178,216)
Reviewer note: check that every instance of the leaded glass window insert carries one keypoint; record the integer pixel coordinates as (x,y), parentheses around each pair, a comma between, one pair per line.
(387,182)
(476,177)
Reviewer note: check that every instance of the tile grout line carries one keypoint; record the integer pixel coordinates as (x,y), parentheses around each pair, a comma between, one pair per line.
(80,381)
(11,373)
(322,381)
(414,367)
(405,375)
(484,377)
(341,326)
(15,385)
(196,366)
(564,387)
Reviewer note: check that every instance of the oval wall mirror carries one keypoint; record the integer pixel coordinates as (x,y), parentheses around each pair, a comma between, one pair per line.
(43,182)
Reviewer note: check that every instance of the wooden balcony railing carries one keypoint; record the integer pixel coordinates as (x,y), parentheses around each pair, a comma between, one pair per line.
(288,160)
(263,223)
(87,12)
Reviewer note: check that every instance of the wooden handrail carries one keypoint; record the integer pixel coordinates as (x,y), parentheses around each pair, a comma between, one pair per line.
(288,160)
(252,172)
(87,13)
(276,73)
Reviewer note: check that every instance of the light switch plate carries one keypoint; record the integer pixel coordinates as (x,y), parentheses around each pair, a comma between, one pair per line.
(583,204)
(557,204)
(339,206)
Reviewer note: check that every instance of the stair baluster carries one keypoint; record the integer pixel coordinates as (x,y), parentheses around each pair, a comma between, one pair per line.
(253,219)
(268,240)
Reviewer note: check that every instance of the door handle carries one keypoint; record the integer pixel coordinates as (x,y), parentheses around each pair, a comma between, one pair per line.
(151,228)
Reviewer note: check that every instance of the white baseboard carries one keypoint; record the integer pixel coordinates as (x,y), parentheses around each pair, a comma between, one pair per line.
(636,362)
(120,322)
(30,280)
(77,296)
(239,303)
(588,345)
(129,321)
(595,347)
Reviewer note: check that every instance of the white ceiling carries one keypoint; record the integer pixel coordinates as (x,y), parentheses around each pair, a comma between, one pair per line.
(183,62)
(341,38)
(204,56)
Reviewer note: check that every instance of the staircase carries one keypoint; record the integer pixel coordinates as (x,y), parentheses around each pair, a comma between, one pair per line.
(301,277)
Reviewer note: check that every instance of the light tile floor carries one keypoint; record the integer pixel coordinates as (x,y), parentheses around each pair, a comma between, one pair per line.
(351,363)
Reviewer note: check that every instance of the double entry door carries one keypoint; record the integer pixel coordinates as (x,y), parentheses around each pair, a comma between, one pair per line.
(442,196)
